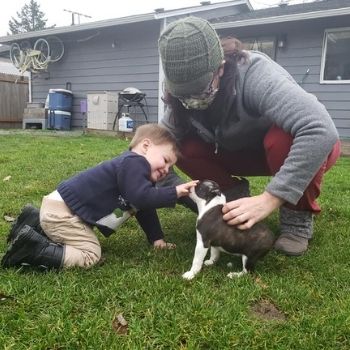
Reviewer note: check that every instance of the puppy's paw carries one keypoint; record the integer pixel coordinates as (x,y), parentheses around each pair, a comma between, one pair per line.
(188,275)
(209,262)
(236,274)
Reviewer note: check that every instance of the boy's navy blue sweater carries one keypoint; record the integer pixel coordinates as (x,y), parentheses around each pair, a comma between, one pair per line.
(122,182)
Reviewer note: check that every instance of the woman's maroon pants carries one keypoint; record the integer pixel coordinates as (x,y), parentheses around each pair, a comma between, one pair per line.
(200,162)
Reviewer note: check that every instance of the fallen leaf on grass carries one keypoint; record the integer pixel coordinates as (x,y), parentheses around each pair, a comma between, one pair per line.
(4,297)
(120,325)
(9,218)
(7,178)
(260,283)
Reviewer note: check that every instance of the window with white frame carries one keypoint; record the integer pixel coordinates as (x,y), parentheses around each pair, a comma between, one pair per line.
(335,66)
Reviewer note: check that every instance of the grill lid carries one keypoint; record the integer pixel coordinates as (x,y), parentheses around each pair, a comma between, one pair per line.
(132,94)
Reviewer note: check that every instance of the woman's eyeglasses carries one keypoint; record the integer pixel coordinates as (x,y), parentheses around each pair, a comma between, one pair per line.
(203,100)
(208,92)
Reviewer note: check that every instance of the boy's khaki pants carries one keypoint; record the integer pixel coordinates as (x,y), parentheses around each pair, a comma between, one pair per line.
(81,246)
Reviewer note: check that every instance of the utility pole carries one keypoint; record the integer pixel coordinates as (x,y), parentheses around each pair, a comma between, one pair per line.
(78,14)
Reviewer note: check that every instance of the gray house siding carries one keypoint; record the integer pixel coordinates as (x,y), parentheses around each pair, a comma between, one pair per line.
(302,59)
(91,64)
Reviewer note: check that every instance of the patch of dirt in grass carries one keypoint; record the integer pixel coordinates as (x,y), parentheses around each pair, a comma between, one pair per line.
(267,311)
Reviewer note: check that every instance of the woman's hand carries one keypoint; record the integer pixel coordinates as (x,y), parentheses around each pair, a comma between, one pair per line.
(184,189)
(161,244)
(245,212)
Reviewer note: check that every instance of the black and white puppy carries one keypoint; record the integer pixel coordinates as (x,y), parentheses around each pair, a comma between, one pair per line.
(214,232)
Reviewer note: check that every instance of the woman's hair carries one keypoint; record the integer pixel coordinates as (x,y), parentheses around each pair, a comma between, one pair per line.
(224,101)
(233,49)
(156,133)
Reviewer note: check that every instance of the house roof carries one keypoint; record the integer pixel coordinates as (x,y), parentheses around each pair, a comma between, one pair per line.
(285,13)
(4,51)
(160,14)
(248,17)
(4,48)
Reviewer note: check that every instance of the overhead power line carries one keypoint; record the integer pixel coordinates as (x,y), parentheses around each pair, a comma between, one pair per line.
(78,14)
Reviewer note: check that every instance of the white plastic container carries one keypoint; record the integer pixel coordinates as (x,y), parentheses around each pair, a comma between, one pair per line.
(125,124)
(102,107)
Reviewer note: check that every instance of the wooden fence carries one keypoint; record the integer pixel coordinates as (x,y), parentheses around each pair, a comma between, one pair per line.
(13,100)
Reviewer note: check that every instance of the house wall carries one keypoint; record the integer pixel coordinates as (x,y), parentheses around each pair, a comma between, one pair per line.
(303,52)
(91,64)
(111,59)
(106,60)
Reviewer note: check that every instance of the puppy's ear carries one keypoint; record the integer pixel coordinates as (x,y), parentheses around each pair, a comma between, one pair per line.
(216,191)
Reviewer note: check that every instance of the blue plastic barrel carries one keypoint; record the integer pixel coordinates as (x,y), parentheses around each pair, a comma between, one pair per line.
(59,120)
(60,99)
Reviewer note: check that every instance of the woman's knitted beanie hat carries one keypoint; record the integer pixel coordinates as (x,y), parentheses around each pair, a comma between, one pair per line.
(190,51)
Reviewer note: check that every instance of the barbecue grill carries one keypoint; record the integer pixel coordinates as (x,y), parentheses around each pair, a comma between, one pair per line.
(132,94)
(131,97)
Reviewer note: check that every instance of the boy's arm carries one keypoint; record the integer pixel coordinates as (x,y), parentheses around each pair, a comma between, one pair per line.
(149,222)
(173,179)
(136,187)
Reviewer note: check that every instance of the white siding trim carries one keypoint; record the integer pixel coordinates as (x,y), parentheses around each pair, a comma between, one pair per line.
(161,78)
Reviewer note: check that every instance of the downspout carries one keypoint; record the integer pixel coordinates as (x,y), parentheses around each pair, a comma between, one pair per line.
(161,78)
(30,87)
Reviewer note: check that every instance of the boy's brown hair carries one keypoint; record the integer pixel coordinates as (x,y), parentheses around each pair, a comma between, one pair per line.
(157,134)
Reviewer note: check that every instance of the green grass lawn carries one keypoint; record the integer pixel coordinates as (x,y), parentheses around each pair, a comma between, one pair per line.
(289,303)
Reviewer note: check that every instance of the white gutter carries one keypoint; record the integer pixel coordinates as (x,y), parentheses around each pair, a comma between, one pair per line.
(284,18)
(30,97)
(187,11)
(78,27)
(119,21)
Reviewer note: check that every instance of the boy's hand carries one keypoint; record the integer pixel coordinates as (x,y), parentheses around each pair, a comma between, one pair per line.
(184,189)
